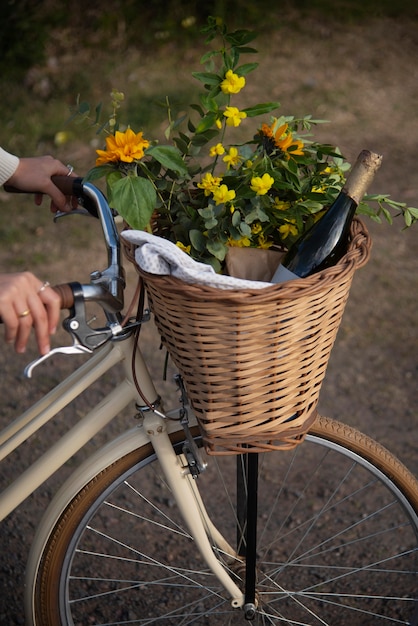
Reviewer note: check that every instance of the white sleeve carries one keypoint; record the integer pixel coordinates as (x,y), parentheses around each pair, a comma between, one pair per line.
(8,165)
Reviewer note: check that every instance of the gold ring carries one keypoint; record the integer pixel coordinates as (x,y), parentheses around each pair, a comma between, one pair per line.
(25,313)
(44,286)
(70,169)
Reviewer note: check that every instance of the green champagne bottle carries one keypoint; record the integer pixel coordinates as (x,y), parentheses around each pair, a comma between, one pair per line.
(325,243)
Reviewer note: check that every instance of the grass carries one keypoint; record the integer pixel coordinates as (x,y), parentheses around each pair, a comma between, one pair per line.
(149,62)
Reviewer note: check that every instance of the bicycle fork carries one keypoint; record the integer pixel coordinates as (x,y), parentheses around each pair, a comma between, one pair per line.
(191,506)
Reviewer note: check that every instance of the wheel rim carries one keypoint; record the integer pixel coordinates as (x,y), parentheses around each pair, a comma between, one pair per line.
(140,567)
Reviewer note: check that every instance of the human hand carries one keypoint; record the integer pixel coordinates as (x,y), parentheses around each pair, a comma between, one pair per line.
(34,173)
(25,302)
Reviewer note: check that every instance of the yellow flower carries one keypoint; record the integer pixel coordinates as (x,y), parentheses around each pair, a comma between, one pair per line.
(281,206)
(261,185)
(263,242)
(209,183)
(256,228)
(232,83)
(217,150)
(234,116)
(222,194)
(186,249)
(232,158)
(288,229)
(244,242)
(126,147)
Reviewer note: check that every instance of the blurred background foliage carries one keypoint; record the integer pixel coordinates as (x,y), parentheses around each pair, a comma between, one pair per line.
(26,25)
(51,51)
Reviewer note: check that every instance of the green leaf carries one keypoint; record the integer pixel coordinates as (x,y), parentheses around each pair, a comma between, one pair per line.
(169,157)
(83,108)
(206,123)
(247,50)
(182,145)
(261,109)
(243,70)
(207,78)
(98,172)
(207,56)
(134,199)
(413,212)
(98,111)
(209,103)
(240,37)
(202,138)
(198,108)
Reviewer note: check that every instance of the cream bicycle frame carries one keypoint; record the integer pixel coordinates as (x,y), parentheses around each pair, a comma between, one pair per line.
(154,429)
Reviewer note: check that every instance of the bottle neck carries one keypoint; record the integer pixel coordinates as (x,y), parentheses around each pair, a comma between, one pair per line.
(361,175)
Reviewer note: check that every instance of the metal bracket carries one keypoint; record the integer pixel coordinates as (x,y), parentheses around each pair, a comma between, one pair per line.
(76,323)
(191,452)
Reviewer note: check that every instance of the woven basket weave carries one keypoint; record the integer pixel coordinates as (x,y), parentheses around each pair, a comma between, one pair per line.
(253,361)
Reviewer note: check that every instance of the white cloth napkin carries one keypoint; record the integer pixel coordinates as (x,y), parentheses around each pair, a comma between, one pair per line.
(156,255)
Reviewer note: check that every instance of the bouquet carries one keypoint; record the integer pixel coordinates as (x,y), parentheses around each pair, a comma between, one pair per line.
(210,187)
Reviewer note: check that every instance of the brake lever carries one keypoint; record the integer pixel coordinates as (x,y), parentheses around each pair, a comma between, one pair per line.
(76,348)
(83,212)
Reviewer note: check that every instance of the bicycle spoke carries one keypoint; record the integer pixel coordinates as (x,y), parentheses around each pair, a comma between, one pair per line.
(335,545)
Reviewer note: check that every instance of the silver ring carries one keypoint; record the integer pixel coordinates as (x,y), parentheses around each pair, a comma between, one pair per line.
(44,286)
(70,169)
(24,313)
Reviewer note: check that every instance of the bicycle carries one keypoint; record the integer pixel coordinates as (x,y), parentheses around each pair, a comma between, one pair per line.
(149,530)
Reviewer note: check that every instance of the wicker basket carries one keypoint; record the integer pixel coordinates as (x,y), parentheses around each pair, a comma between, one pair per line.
(253,361)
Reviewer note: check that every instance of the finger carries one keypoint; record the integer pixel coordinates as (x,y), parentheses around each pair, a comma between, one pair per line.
(52,303)
(58,199)
(11,323)
(40,322)
(24,327)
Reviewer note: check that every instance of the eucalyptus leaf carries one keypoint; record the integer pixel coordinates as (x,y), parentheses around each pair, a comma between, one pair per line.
(197,240)
(206,212)
(245,229)
(218,249)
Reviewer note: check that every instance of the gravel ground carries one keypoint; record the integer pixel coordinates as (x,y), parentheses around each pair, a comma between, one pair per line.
(364,79)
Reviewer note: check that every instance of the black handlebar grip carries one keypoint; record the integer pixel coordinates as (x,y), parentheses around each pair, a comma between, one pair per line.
(66,294)
(69,185)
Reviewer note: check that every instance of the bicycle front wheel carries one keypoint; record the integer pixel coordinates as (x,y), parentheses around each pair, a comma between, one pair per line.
(337,542)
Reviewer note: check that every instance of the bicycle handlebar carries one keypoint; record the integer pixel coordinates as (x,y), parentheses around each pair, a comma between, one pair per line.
(68,185)
(106,286)
(66,295)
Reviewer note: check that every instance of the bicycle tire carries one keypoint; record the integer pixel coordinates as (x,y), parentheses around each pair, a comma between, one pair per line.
(337,544)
